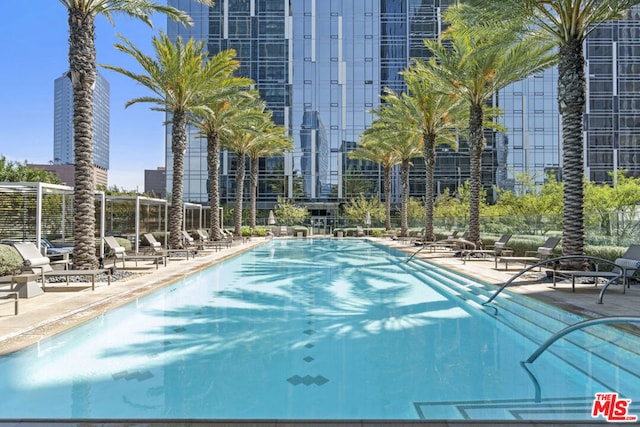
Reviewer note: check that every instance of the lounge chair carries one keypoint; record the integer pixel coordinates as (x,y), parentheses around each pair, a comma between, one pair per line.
(119,252)
(283,231)
(205,242)
(499,248)
(35,263)
(157,249)
(543,252)
(359,231)
(623,268)
(458,244)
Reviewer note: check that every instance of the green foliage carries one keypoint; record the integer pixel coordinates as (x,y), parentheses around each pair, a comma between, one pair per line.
(114,190)
(300,229)
(415,209)
(449,205)
(287,213)
(19,172)
(535,208)
(356,209)
(10,260)
(258,231)
(613,209)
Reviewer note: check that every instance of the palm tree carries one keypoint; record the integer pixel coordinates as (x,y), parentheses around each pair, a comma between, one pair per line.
(223,102)
(248,125)
(476,62)
(398,131)
(180,78)
(272,142)
(82,67)
(567,23)
(370,148)
(438,116)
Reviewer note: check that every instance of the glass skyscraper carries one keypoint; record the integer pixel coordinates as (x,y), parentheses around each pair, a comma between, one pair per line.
(63,146)
(322,64)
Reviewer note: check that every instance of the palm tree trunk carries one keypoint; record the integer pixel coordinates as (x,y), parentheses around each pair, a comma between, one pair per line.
(239,194)
(387,196)
(178,148)
(213,160)
(476,145)
(429,141)
(82,63)
(571,100)
(254,190)
(404,227)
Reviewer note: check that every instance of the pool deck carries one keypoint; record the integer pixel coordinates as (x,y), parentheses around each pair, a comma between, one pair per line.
(55,311)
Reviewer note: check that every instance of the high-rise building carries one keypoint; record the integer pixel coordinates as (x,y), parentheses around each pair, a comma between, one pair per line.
(63,145)
(532,143)
(321,66)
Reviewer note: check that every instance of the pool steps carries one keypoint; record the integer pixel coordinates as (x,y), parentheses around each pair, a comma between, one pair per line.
(538,321)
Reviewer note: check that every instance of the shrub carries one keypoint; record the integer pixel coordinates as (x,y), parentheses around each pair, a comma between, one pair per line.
(10,260)
(303,230)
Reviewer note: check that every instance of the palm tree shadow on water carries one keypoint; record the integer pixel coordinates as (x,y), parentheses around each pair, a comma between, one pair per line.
(272,315)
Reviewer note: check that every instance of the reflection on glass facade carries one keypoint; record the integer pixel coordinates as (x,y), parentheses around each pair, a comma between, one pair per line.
(63,146)
(531,143)
(612,120)
(612,114)
(321,65)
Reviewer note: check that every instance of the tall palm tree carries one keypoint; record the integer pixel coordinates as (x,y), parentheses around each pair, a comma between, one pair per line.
(274,141)
(438,116)
(398,131)
(248,125)
(567,23)
(223,101)
(372,149)
(474,63)
(180,78)
(82,67)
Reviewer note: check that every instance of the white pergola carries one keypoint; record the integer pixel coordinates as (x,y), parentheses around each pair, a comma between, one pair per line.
(39,190)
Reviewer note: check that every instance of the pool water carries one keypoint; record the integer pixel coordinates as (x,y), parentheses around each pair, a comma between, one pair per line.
(322,329)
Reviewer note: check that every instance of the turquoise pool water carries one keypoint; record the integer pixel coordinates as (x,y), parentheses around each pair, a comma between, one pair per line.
(324,328)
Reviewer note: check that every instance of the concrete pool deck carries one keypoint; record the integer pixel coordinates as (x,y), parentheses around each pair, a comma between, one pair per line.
(52,312)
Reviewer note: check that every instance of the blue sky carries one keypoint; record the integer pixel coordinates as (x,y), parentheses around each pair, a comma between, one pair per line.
(35,53)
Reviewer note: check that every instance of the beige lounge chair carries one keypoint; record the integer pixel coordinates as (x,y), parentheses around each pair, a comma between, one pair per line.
(120,253)
(35,263)
(544,252)
(205,242)
(157,249)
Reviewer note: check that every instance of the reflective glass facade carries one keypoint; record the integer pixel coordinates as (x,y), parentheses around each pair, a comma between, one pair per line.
(321,65)
(612,120)
(612,115)
(532,140)
(63,147)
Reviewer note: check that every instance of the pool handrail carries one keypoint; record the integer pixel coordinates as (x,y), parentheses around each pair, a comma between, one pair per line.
(562,258)
(583,324)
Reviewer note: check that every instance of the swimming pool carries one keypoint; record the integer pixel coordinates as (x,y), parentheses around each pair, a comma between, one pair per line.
(322,329)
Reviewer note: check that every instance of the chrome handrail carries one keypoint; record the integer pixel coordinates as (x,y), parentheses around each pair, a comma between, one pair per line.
(579,325)
(562,258)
